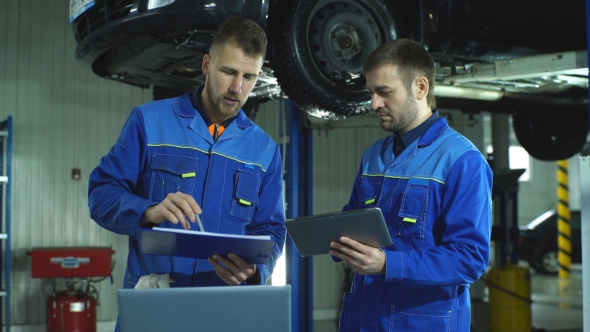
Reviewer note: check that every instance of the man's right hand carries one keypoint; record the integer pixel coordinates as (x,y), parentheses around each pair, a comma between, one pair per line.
(175,207)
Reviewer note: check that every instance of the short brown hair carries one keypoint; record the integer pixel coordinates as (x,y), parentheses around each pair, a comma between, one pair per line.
(411,59)
(245,34)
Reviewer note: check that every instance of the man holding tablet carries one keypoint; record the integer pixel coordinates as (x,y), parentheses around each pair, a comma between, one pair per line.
(434,189)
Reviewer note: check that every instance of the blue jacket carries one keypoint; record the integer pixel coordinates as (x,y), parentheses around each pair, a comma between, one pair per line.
(436,199)
(165,147)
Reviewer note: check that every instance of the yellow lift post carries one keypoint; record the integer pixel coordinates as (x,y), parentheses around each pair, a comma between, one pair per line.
(564,232)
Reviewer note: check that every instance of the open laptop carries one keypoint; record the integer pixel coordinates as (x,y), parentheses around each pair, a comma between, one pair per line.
(216,309)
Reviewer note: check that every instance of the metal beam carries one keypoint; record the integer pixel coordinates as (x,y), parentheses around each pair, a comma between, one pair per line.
(565,63)
(585,210)
(298,188)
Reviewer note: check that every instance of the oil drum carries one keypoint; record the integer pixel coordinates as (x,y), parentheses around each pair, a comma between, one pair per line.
(510,299)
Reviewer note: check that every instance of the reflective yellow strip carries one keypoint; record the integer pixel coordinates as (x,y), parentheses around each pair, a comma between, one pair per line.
(206,152)
(244,202)
(410,220)
(403,177)
(370,201)
(188,175)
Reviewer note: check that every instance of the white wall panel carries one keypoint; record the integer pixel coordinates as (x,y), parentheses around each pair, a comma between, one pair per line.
(64,117)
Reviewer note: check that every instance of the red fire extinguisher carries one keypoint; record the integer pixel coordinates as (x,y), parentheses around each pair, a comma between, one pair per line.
(73,309)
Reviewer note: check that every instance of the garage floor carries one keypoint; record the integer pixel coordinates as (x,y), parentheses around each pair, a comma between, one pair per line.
(557,304)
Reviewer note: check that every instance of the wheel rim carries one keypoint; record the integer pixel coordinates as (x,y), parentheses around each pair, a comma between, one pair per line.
(340,36)
(550,263)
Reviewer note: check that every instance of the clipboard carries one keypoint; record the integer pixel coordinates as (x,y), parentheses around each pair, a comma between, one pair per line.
(254,249)
(312,234)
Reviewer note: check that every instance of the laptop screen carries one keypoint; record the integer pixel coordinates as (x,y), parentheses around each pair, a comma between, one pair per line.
(218,309)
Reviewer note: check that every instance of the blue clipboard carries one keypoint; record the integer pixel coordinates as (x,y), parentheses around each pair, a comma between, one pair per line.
(253,249)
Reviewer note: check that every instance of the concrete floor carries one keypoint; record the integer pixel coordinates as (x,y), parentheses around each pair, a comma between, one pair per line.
(557,304)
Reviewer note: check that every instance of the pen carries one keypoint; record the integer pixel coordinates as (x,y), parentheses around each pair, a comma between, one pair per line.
(199,222)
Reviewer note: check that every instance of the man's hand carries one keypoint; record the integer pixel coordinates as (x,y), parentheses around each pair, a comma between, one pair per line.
(361,258)
(175,207)
(232,270)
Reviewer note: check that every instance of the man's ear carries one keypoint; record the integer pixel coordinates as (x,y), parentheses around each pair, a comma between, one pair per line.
(421,87)
(261,71)
(206,64)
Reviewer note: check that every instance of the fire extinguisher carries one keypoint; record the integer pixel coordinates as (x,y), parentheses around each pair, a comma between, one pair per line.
(72,309)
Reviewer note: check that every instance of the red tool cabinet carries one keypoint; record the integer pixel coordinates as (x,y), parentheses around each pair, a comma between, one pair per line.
(73,308)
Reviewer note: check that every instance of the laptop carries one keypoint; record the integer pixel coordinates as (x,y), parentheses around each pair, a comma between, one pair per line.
(312,234)
(216,309)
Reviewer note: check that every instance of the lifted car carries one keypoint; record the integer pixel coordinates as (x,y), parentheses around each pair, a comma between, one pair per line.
(526,58)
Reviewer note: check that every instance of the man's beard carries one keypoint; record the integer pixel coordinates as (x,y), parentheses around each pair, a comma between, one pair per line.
(219,108)
(400,121)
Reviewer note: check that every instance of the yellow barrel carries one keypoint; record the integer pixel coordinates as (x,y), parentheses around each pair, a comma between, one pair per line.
(509,299)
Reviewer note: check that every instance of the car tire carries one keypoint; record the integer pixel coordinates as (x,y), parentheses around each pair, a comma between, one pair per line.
(551,135)
(547,262)
(317,49)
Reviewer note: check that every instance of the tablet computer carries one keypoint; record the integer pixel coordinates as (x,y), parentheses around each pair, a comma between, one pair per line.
(312,234)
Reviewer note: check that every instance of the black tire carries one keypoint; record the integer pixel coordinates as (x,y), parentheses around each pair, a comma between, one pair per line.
(547,262)
(552,135)
(317,49)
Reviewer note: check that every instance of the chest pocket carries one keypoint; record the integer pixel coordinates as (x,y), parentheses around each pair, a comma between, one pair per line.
(368,191)
(246,194)
(413,209)
(172,173)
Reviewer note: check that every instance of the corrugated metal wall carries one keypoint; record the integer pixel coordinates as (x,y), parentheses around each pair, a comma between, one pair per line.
(64,117)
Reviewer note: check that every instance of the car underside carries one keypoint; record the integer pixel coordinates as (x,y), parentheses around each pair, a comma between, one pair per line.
(525,58)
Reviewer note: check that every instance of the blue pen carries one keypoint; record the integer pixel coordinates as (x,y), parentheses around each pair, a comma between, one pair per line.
(199,222)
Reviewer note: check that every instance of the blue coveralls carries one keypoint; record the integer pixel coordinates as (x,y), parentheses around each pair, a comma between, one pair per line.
(165,147)
(436,199)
